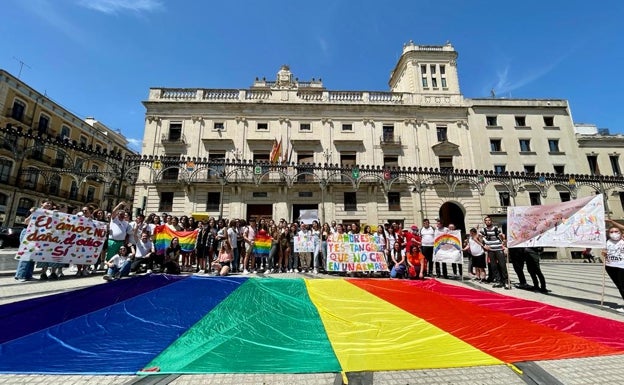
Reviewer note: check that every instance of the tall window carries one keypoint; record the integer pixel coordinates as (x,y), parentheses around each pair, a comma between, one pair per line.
(5,169)
(83,141)
(55,184)
(425,84)
(394,201)
(37,151)
(615,164)
(17,112)
(60,159)
(504,198)
(525,145)
(217,165)
(495,145)
(535,199)
(175,131)
(213,202)
(553,145)
(65,132)
(388,133)
(443,75)
(350,201)
(442,133)
(549,121)
(347,160)
(166,202)
(10,142)
(31,177)
(520,121)
(73,190)
(305,159)
(592,160)
(434,82)
(44,124)
(90,194)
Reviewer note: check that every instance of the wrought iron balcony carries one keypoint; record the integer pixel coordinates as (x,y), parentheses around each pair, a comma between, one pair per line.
(390,140)
(173,139)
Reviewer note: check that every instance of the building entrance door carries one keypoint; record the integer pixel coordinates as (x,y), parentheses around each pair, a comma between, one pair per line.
(259,212)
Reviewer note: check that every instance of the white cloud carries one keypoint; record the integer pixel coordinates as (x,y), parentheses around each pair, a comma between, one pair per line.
(112,7)
(135,144)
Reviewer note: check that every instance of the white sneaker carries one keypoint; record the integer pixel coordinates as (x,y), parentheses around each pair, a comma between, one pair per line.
(268,272)
(620,309)
(290,270)
(245,272)
(149,271)
(315,271)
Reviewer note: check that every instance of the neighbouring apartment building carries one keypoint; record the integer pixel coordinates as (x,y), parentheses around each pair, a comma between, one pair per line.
(47,152)
(419,150)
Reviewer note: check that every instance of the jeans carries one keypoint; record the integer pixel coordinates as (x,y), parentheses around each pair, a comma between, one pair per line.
(236,261)
(25,270)
(123,271)
(397,270)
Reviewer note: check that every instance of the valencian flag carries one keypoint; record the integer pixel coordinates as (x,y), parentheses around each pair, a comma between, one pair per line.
(272,325)
(163,236)
(276,151)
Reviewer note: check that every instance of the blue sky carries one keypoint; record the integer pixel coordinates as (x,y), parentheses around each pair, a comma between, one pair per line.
(100,57)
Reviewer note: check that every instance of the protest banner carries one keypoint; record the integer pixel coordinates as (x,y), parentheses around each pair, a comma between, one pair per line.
(355,252)
(304,243)
(53,236)
(447,247)
(576,223)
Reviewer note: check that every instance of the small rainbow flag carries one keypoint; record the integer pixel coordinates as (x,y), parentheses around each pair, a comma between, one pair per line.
(262,243)
(163,236)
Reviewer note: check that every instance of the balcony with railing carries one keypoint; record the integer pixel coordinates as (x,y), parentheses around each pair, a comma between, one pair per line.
(173,139)
(390,140)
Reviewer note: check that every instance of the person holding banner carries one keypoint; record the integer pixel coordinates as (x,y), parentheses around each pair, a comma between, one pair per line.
(493,240)
(614,256)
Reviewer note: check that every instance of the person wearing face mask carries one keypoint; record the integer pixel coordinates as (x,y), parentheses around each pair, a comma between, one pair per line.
(614,256)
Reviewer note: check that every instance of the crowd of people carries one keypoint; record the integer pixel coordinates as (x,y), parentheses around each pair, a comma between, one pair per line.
(229,246)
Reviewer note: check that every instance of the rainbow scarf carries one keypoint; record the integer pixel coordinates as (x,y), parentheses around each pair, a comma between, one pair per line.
(163,236)
(262,244)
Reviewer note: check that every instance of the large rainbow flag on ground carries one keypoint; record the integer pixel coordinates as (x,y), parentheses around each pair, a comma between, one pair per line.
(272,325)
(163,236)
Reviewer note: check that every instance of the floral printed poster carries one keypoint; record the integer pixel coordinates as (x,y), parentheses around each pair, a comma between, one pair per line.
(576,223)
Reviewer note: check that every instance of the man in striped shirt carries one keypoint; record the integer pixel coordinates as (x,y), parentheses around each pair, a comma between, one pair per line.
(493,244)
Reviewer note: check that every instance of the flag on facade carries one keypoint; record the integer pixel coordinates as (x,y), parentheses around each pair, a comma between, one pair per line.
(275,151)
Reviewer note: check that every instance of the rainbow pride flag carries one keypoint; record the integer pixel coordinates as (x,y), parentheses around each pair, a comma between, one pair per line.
(163,236)
(262,243)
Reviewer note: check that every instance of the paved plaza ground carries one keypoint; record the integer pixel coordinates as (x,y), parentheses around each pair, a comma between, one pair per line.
(575,286)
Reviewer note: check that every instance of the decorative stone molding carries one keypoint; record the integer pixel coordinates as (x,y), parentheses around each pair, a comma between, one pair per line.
(240,119)
(197,118)
(152,118)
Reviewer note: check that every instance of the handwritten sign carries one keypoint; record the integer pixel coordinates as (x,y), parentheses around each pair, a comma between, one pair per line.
(447,247)
(355,252)
(52,236)
(304,243)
